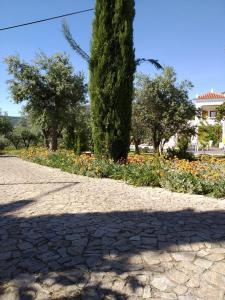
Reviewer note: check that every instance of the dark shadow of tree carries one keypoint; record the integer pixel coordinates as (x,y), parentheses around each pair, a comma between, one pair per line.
(66,249)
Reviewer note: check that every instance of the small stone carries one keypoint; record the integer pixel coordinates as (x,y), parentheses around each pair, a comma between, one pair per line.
(23,280)
(177,276)
(194,282)
(118,285)
(163,295)
(93,261)
(122,245)
(185,247)
(162,283)
(75,250)
(135,238)
(203,253)
(5,255)
(10,294)
(151,258)
(180,290)
(165,257)
(215,257)
(147,292)
(149,241)
(25,246)
(99,233)
(188,267)
(219,268)
(209,292)
(183,256)
(188,297)
(218,250)
(203,263)
(42,295)
(215,279)
(72,237)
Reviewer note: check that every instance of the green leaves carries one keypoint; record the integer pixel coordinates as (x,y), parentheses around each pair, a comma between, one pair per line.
(166,109)
(49,89)
(112,67)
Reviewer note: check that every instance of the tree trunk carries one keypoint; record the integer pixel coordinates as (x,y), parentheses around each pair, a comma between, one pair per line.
(136,144)
(53,144)
(161,147)
(46,142)
(156,143)
(70,138)
(46,137)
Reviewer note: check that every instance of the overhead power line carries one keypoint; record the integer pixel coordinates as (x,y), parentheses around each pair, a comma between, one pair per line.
(47,19)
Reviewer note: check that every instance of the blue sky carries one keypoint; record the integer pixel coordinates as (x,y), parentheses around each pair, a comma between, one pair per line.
(185,34)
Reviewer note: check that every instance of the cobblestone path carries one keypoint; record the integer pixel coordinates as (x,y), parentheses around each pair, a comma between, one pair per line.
(64,236)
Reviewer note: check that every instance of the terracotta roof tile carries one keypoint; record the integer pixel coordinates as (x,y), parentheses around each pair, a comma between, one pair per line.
(211,95)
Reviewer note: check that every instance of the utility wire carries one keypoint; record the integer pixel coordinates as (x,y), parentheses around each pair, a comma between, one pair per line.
(47,19)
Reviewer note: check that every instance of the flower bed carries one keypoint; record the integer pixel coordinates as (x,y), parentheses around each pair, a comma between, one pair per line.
(204,176)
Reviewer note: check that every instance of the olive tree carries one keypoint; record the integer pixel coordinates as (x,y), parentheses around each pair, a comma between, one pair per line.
(165,107)
(49,88)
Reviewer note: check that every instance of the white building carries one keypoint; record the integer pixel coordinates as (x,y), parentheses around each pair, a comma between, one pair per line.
(208,103)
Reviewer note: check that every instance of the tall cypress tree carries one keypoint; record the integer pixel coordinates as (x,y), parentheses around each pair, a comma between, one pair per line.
(112,67)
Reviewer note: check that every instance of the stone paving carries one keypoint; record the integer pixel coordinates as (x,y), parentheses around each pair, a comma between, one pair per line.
(64,236)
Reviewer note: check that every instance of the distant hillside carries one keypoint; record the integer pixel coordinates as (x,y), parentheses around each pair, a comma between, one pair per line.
(14,120)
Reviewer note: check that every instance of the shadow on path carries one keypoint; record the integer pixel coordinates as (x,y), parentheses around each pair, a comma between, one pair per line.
(68,248)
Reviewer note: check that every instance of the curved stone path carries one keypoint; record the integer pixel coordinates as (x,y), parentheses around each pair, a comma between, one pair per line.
(64,236)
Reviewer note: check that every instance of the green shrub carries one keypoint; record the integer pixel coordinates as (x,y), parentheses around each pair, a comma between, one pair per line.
(179,153)
(208,180)
(184,182)
(218,190)
(142,175)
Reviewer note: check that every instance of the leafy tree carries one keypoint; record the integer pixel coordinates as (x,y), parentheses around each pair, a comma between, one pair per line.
(138,130)
(5,125)
(49,89)
(3,143)
(207,132)
(220,112)
(165,107)
(23,134)
(14,138)
(27,137)
(77,133)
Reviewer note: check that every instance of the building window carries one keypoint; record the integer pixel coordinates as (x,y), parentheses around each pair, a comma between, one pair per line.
(212,114)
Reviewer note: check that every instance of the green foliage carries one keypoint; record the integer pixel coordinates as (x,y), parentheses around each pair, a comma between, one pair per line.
(183,182)
(24,134)
(182,146)
(5,125)
(138,129)
(208,133)
(3,143)
(218,189)
(112,67)
(77,133)
(220,112)
(166,109)
(179,153)
(142,175)
(156,172)
(14,138)
(50,90)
